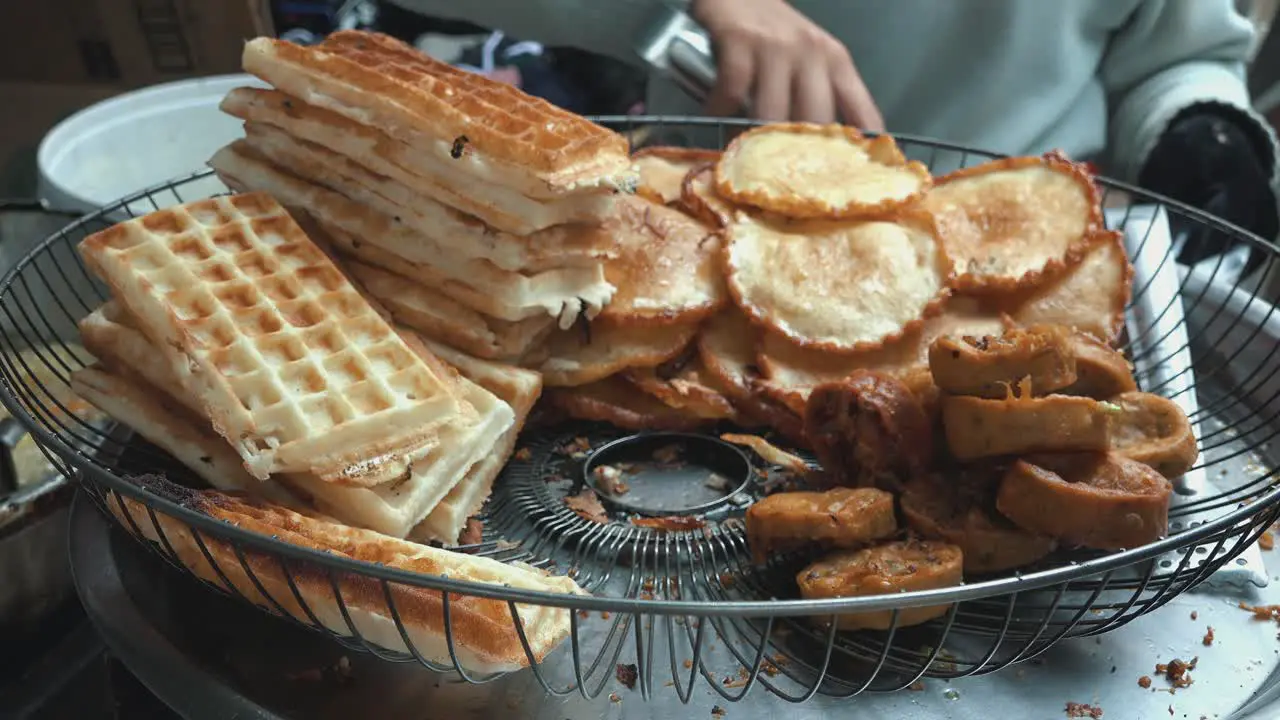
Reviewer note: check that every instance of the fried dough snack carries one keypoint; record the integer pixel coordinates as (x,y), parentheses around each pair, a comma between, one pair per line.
(1154,431)
(962,512)
(663,169)
(985,366)
(804,170)
(868,430)
(1009,224)
(683,383)
(979,428)
(618,402)
(890,568)
(1094,500)
(837,518)
(582,355)
(832,286)
(1090,297)
(698,196)
(1102,372)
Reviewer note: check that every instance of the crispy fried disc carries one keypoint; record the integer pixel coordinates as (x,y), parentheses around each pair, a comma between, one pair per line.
(804,170)
(1009,224)
(698,196)
(840,287)
(684,384)
(727,349)
(890,568)
(786,365)
(1089,297)
(663,169)
(581,355)
(616,401)
(665,271)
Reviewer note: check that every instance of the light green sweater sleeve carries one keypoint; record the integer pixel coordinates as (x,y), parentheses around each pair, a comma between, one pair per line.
(604,27)
(1173,54)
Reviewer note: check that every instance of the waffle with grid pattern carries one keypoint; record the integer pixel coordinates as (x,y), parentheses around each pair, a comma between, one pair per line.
(289,362)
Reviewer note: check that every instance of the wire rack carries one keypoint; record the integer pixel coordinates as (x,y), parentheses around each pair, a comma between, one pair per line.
(688,608)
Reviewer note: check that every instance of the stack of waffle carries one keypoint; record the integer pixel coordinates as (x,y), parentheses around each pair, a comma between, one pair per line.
(235,343)
(474,212)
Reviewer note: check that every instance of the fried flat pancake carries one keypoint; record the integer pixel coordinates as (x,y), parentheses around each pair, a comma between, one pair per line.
(788,366)
(806,170)
(1089,297)
(581,355)
(835,286)
(618,402)
(665,268)
(663,169)
(1010,224)
(698,197)
(684,384)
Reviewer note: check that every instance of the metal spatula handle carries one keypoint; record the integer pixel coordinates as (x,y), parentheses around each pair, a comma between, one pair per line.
(677,47)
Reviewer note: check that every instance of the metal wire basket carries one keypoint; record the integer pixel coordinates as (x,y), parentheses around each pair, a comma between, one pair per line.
(690,604)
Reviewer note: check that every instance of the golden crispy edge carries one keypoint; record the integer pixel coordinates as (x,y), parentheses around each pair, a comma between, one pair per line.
(971,284)
(797,206)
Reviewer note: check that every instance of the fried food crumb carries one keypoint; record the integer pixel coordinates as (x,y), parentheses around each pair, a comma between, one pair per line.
(609,480)
(1267,540)
(917,686)
(1194,615)
(1262,612)
(670,523)
(576,448)
(1080,710)
(717,711)
(1178,672)
(338,673)
(586,504)
(626,674)
(1144,682)
(524,454)
(688,664)
(615,698)
(1208,637)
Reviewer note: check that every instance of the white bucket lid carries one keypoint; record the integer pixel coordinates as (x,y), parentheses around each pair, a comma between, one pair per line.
(138,140)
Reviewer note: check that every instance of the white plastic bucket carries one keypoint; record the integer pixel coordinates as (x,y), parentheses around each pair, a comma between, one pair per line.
(135,141)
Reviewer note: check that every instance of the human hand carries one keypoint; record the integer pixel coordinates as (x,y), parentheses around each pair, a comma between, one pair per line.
(786,67)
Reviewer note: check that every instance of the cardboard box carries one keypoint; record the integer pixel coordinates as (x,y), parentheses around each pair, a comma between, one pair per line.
(127,43)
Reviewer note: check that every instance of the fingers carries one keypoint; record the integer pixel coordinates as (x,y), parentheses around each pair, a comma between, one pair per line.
(773,91)
(735,70)
(814,100)
(853,100)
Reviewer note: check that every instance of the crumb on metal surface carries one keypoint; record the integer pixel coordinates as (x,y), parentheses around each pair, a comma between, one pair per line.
(1081,710)
(524,454)
(1144,682)
(627,674)
(1178,672)
(1208,637)
(1195,615)
(917,686)
(586,505)
(717,711)
(615,698)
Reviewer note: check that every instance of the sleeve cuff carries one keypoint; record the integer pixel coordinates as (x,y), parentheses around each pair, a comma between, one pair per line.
(1145,113)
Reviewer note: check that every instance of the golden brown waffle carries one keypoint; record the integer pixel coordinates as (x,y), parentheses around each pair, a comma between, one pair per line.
(503,134)
(289,362)
(483,635)
(449,231)
(439,317)
(498,206)
(518,388)
(375,238)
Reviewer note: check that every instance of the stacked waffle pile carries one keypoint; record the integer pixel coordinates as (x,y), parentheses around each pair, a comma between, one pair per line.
(474,212)
(235,343)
